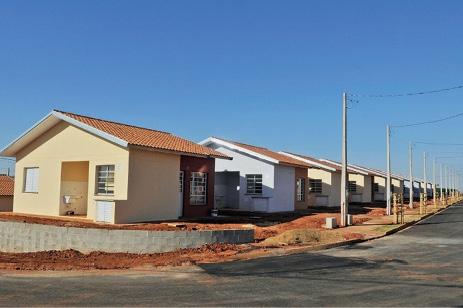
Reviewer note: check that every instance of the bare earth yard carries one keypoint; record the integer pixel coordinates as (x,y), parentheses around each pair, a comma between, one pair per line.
(272,232)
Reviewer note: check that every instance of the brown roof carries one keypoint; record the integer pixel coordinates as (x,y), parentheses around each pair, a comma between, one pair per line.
(282,159)
(145,137)
(324,163)
(6,185)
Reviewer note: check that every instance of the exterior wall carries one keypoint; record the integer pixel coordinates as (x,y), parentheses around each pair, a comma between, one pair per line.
(190,164)
(66,143)
(246,164)
(25,237)
(363,186)
(74,183)
(153,188)
(331,186)
(6,203)
(302,174)
(285,188)
(381,186)
(398,186)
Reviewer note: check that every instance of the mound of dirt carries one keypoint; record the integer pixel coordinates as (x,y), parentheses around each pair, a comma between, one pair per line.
(303,237)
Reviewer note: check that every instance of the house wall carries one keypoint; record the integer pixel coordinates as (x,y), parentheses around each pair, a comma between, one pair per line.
(74,182)
(6,203)
(190,164)
(246,164)
(153,188)
(285,189)
(398,186)
(363,186)
(381,186)
(331,186)
(301,173)
(66,143)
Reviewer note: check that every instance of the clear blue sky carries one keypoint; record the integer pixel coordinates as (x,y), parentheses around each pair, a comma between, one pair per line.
(267,73)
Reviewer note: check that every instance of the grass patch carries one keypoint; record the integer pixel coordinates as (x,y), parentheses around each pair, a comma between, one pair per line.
(386,228)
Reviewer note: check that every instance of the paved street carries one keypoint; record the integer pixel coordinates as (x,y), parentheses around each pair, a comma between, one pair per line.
(421,266)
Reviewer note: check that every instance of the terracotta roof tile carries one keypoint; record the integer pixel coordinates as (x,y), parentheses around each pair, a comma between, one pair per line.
(283,159)
(145,137)
(6,185)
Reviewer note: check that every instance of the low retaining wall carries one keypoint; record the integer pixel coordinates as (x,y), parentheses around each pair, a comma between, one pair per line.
(26,237)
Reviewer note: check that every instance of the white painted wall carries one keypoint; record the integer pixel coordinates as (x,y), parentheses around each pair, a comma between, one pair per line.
(285,187)
(247,164)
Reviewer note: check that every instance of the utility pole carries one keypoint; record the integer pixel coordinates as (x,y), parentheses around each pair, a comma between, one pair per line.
(446,183)
(441,184)
(411,177)
(425,191)
(434,181)
(388,182)
(344,205)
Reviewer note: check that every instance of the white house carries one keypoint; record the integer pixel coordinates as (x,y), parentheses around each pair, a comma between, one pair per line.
(257,179)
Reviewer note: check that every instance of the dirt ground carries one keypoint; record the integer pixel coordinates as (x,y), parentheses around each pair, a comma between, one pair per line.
(272,231)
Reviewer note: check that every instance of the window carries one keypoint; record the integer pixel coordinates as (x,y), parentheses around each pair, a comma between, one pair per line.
(352,186)
(376,185)
(315,186)
(300,187)
(254,183)
(31,180)
(198,188)
(105,181)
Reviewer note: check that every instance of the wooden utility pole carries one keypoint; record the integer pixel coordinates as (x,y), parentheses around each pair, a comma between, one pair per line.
(388,182)
(344,204)
(411,177)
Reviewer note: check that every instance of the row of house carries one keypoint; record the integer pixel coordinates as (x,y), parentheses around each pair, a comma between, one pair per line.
(69,164)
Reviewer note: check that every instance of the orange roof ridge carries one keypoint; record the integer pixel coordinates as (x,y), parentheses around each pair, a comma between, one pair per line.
(6,185)
(107,121)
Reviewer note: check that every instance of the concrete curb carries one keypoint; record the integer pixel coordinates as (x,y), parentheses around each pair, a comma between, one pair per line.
(291,251)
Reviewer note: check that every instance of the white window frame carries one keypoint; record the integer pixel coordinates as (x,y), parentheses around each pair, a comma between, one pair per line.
(31,180)
(198,188)
(254,184)
(103,178)
(352,186)
(315,186)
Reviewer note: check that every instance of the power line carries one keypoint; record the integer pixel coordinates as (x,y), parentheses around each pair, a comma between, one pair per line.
(429,122)
(436,143)
(407,94)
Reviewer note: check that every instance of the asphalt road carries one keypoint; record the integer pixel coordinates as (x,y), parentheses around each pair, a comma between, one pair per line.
(421,266)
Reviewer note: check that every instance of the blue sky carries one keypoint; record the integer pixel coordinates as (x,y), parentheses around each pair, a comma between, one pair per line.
(267,73)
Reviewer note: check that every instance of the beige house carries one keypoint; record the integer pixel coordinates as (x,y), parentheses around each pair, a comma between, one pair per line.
(108,172)
(6,193)
(324,187)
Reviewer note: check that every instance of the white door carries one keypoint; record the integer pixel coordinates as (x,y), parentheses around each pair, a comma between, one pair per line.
(180,197)
(104,211)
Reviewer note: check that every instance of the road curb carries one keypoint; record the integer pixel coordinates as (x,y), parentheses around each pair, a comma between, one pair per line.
(296,250)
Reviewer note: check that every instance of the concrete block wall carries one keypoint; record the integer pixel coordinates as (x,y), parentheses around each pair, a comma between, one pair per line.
(25,237)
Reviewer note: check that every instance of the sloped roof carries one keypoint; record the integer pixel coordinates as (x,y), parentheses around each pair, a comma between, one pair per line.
(350,168)
(122,134)
(259,151)
(313,162)
(6,185)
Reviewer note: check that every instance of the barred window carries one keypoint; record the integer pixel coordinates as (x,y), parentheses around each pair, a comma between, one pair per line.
(198,188)
(300,188)
(105,181)
(376,185)
(315,186)
(352,186)
(254,183)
